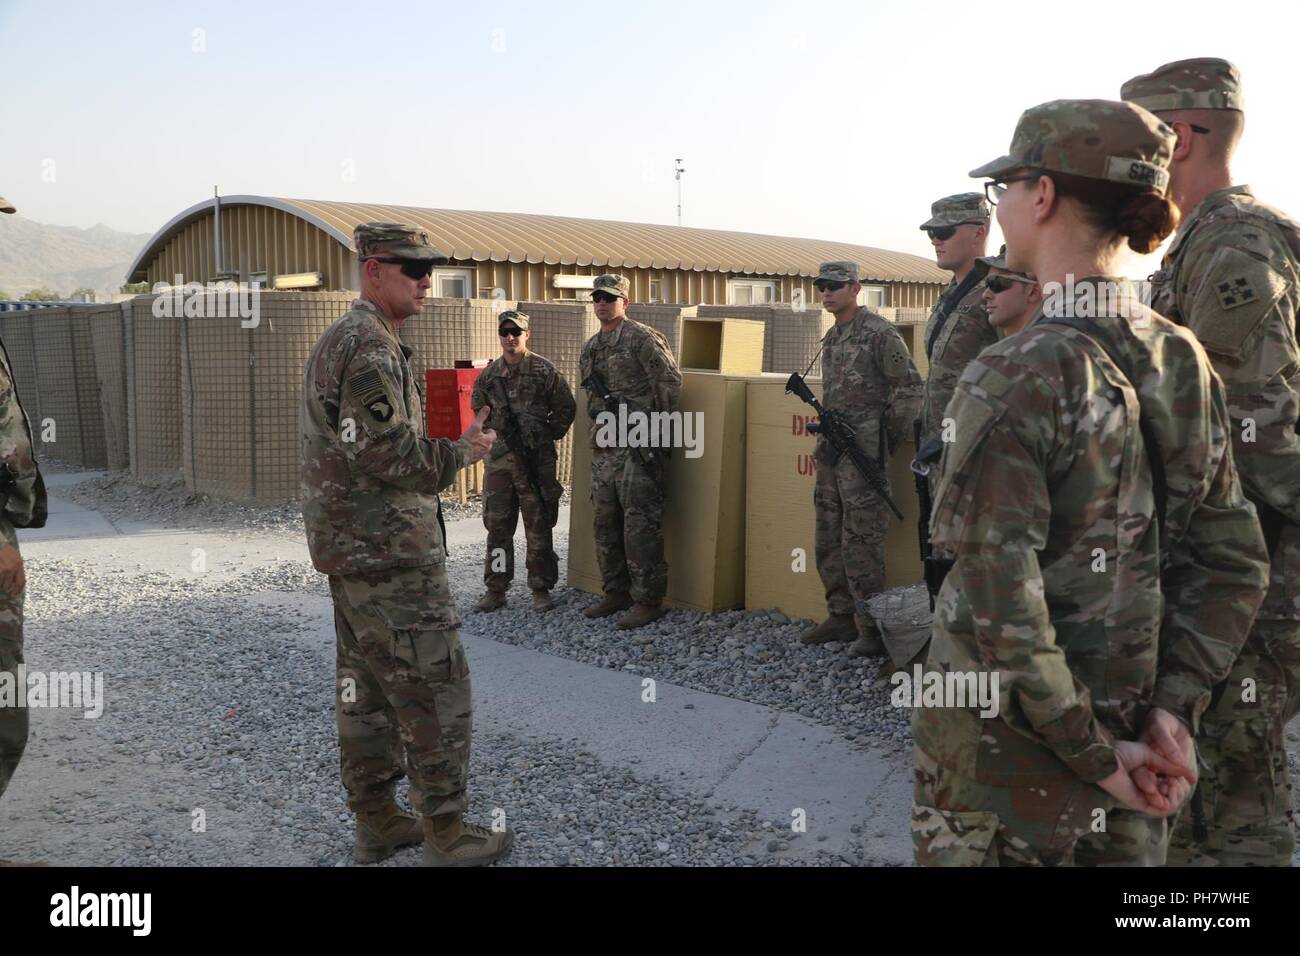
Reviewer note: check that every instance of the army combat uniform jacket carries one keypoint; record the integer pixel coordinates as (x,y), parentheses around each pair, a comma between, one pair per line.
(1063,584)
(370,477)
(638,366)
(25,503)
(957,330)
(541,399)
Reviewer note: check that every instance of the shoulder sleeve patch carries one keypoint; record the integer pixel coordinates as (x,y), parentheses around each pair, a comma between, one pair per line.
(1232,300)
(372,393)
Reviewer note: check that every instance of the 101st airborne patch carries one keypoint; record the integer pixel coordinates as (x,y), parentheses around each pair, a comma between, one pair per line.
(371,392)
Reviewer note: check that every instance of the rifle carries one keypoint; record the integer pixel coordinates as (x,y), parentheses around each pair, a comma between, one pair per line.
(513,433)
(839,435)
(596,385)
(935,568)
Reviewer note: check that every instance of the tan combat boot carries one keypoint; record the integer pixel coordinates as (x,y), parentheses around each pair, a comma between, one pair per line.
(868,643)
(640,615)
(381,833)
(450,841)
(837,627)
(542,601)
(610,604)
(492,600)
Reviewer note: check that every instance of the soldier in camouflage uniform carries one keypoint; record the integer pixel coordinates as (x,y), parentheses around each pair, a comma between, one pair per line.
(1099,620)
(1232,276)
(958,326)
(1011,298)
(627,484)
(541,402)
(24,506)
(869,378)
(370,483)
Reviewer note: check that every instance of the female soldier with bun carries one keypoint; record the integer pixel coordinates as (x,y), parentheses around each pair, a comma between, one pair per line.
(1107,565)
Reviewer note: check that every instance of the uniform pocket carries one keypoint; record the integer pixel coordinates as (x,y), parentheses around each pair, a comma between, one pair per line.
(954,837)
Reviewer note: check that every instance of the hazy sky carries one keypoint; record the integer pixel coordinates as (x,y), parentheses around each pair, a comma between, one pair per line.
(827,120)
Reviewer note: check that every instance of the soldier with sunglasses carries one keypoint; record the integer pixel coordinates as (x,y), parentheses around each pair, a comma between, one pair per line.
(370,483)
(638,371)
(1232,276)
(1010,297)
(532,408)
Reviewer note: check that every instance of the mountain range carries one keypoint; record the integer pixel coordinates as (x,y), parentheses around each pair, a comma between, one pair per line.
(64,258)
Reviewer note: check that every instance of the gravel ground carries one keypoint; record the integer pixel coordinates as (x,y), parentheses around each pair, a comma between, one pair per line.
(240,725)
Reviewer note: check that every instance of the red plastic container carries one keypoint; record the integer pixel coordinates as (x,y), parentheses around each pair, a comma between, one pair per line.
(447,392)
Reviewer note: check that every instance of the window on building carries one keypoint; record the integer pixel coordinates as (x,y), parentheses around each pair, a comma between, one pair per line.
(873,296)
(751,291)
(453,283)
(656,289)
(573,288)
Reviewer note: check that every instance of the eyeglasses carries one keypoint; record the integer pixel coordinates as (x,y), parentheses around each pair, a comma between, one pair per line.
(995,190)
(996,284)
(944,233)
(411,268)
(828,285)
(510,333)
(603,297)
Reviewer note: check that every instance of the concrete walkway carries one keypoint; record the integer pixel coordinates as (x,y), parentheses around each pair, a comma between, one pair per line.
(729,750)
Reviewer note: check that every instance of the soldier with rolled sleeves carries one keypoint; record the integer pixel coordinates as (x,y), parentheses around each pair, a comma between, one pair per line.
(1010,297)
(1232,276)
(627,484)
(24,506)
(958,327)
(370,483)
(868,378)
(532,408)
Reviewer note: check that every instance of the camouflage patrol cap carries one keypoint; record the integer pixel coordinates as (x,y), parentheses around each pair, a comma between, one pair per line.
(1203,83)
(6,205)
(999,262)
(1096,139)
(837,272)
(957,210)
(515,316)
(395,239)
(613,284)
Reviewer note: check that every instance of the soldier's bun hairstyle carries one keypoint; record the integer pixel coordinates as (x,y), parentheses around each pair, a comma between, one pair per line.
(1142,216)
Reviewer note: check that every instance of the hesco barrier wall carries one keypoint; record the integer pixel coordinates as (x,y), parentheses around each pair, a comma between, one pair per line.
(241,389)
(792,338)
(16,330)
(153,390)
(108,332)
(559,330)
(64,355)
(666,319)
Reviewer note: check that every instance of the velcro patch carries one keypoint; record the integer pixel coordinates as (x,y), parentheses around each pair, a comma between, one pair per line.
(371,392)
(1235,291)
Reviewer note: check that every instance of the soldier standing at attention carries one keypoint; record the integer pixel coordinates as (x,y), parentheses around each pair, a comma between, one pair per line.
(958,327)
(1010,298)
(1232,276)
(627,484)
(532,408)
(1107,565)
(370,483)
(868,377)
(24,506)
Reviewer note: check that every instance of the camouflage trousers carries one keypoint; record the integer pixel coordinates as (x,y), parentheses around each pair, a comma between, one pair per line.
(403,704)
(13,720)
(849,538)
(1245,783)
(958,821)
(506,493)
(627,512)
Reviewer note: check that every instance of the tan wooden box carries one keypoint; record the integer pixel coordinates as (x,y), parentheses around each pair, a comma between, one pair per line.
(727,346)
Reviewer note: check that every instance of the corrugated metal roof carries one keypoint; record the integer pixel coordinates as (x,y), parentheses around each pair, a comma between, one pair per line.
(560,240)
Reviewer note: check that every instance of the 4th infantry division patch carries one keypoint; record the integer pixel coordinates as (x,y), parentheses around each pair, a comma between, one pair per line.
(1235,292)
(369,388)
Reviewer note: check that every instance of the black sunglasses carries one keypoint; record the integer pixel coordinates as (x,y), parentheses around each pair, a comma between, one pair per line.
(995,190)
(511,333)
(603,297)
(997,284)
(411,268)
(828,285)
(942,233)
